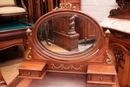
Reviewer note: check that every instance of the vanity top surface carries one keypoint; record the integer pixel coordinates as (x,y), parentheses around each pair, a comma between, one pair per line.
(122,25)
(98,69)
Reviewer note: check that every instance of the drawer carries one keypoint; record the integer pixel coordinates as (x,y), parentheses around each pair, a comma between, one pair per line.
(106,78)
(101,79)
(32,69)
(30,73)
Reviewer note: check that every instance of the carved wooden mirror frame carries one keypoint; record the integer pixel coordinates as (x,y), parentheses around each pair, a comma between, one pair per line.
(97,60)
(55,56)
(97,55)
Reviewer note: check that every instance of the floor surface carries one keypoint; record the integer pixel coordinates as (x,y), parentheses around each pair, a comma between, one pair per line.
(9,62)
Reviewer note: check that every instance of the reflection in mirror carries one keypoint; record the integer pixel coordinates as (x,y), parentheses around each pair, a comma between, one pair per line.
(67,33)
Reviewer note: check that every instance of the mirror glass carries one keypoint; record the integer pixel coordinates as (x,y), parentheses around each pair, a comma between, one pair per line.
(67,33)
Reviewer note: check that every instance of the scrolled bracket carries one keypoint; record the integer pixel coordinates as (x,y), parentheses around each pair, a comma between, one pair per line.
(109,59)
(27,55)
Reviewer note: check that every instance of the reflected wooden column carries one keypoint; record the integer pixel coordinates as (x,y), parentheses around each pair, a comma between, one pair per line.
(34,10)
(38,8)
(30,11)
(50,5)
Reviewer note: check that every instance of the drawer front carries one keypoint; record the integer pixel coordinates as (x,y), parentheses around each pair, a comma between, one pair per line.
(102,78)
(30,73)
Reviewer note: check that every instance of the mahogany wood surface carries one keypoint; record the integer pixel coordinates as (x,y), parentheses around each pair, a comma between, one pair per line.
(122,63)
(71,64)
(99,69)
(85,29)
(34,65)
(101,74)
(37,8)
(56,80)
(120,43)
(65,35)
(35,69)
(123,10)
(64,70)
(13,37)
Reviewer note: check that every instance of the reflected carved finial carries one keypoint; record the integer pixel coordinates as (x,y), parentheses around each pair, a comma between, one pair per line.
(65,6)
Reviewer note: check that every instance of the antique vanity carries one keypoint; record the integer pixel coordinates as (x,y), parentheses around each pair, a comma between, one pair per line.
(69,41)
(118,23)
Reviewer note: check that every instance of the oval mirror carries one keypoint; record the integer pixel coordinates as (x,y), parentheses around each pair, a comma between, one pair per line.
(68,32)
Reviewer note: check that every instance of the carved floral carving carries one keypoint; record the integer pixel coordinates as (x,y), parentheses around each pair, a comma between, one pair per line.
(119,58)
(123,9)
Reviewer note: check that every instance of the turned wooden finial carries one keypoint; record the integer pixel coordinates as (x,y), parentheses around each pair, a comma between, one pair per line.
(28,31)
(107,33)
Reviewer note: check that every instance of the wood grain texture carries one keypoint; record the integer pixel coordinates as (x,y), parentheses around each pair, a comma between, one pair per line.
(58,80)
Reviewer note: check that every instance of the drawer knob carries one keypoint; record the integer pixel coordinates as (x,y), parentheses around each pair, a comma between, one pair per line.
(29,73)
(101,78)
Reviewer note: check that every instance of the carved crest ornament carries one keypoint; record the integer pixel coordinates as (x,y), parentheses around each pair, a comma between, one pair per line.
(65,6)
(123,10)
